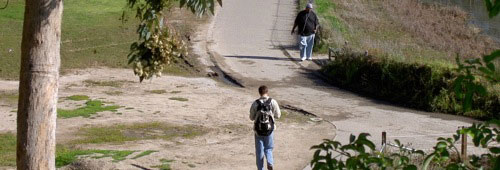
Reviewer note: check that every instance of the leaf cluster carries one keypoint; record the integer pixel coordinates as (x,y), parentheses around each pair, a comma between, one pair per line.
(493,7)
(157,44)
(467,85)
(359,153)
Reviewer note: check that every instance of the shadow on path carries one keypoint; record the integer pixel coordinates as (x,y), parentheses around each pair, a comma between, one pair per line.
(263,58)
(140,167)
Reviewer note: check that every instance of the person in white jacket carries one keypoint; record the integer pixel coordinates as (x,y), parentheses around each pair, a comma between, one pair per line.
(264,144)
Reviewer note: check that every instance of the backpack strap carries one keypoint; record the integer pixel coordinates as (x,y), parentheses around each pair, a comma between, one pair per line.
(259,104)
(269,101)
(305,22)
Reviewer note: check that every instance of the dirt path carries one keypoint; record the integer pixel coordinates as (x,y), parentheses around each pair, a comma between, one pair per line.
(213,105)
(250,40)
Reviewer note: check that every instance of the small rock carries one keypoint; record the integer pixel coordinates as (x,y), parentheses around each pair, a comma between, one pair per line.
(212,74)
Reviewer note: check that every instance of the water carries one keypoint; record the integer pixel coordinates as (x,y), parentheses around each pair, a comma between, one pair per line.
(479,15)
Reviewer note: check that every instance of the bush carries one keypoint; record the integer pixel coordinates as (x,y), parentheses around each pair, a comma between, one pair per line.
(411,85)
(360,153)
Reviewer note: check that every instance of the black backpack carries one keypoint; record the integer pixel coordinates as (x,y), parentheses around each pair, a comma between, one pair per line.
(264,123)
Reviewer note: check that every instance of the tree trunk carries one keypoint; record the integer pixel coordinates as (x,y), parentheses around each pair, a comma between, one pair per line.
(38,86)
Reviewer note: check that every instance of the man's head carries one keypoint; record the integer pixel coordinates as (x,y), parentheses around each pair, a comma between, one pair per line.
(263,90)
(309,6)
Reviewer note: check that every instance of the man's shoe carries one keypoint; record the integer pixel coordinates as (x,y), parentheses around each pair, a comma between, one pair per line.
(269,167)
(302,59)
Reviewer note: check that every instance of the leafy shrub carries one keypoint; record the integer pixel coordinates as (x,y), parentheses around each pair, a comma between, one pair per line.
(412,85)
(361,153)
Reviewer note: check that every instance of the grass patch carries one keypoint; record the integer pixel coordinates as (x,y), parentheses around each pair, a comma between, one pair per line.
(129,108)
(106,83)
(92,35)
(145,153)
(9,97)
(91,107)
(165,164)
(157,91)
(66,156)
(7,149)
(78,97)
(113,93)
(175,92)
(179,99)
(118,134)
(293,117)
(408,32)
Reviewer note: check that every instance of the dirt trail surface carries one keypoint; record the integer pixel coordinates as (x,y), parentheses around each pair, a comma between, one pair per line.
(251,40)
(221,109)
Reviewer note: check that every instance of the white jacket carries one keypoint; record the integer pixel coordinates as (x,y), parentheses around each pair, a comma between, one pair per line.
(275,109)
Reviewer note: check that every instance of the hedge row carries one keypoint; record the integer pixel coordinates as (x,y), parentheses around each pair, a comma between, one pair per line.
(411,85)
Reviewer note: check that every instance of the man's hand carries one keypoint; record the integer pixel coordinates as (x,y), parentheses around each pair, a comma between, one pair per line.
(293,31)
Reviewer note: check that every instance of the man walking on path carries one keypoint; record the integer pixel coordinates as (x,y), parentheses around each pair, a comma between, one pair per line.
(263,112)
(308,22)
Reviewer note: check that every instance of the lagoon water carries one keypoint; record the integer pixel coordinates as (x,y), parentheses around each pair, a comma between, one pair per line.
(478,13)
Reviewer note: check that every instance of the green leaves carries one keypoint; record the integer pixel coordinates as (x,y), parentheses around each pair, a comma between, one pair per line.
(200,7)
(493,7)
(157,45)
(359,153)
(467,85)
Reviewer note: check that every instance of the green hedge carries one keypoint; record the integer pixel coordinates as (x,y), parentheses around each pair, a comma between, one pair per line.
(411,85)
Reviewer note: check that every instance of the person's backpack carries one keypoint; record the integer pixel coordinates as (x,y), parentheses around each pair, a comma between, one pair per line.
(264,123)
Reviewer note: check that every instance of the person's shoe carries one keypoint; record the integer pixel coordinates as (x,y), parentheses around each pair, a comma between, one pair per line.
(302,59)
(269,167)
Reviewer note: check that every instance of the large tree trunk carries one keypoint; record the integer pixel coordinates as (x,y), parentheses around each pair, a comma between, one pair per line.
(38,86)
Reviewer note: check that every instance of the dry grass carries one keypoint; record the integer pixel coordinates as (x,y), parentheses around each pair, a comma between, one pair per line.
(442,28)
(405,31)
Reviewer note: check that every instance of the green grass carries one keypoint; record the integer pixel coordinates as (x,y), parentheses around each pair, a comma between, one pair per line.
(113,93)
(118,134)
(78,97)
(327,9)
(179,99)
(293,117)
(66,156)
(165,164)
(9,97)
(145,153)
(91,107)
(7,149)
(105,83)
(92,35)
(175,92)
(157,91)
